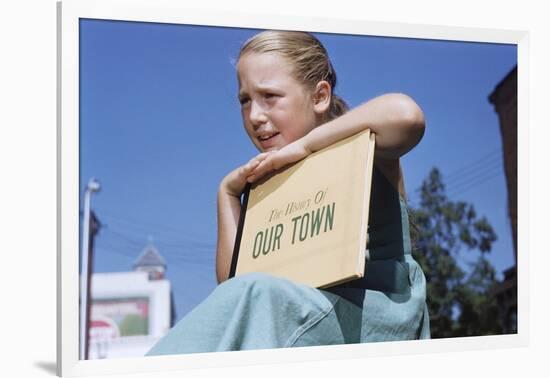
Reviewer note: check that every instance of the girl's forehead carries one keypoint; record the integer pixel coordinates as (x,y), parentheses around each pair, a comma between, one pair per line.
(264,62)
(264,67)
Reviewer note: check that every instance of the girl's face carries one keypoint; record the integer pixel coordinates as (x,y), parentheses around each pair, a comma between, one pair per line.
(276,108)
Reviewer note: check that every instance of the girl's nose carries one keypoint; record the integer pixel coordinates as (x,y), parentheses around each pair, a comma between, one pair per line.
(257,114)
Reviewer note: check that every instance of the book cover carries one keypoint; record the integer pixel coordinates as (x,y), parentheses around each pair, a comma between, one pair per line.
(308,223)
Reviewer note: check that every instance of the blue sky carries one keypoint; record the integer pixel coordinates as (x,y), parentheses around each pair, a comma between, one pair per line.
(160,126)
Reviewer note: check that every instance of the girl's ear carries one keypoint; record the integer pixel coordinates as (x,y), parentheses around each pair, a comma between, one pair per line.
(321,97)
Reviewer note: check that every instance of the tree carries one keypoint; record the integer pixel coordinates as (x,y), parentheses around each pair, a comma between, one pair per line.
(459,302)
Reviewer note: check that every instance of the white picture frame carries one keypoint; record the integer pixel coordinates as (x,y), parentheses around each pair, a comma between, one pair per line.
(69,13)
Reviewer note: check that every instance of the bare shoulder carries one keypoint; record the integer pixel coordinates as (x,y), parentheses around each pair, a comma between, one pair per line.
(391,169)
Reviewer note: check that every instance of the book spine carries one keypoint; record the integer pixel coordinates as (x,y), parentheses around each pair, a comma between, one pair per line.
(242,215)
(371,144)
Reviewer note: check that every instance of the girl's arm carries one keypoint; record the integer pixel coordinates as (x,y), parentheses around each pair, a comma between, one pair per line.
(229,208)
(396,119)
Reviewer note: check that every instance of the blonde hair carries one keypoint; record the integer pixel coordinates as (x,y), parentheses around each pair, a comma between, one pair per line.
(308,57)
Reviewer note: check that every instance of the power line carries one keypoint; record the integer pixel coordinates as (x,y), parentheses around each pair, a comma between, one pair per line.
(485,173)
(134,243)
(462,177)
(490,160)
(465,186)
(482,173)
(144,225)
(465,178)
(475,183)
(172,258)
(188,241)
(496,153)
(135,240)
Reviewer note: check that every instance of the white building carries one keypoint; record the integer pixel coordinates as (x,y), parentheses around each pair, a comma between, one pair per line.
(130,311)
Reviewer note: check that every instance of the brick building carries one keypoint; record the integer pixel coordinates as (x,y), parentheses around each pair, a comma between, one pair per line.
(504,100)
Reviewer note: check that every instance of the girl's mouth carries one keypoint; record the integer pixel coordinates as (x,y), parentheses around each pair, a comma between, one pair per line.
(265,138)
(268,141)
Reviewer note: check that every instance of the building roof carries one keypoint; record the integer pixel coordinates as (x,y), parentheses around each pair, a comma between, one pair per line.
(500,93)
(150,256)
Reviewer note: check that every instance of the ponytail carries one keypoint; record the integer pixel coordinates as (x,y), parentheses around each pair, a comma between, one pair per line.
(337,107)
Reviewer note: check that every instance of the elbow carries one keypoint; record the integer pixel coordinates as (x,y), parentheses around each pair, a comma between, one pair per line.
(403,129)
(413,124)
(221,277)
(222,269)
(222,272)
(411,115)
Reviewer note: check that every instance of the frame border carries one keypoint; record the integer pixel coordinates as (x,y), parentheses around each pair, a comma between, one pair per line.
(171,11)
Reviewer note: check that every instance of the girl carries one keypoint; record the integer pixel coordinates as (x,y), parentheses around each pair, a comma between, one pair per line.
(289,110)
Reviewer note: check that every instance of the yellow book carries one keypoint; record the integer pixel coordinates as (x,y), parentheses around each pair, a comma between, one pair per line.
(308,223)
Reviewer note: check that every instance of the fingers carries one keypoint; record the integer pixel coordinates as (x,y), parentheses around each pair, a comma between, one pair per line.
(249,167)
(270,161)
(258,166)
(235,182)
(246,169)
(264,167)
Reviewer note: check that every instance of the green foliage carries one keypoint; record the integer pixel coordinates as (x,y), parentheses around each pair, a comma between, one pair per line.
(459,302)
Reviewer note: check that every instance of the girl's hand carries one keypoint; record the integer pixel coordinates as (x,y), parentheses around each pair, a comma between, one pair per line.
(235,182)
(275,160)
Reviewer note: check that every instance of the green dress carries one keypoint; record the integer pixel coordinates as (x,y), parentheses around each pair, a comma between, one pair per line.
(260,311)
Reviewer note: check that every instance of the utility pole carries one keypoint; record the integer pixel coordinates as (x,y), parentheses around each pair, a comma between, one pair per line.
(93,186)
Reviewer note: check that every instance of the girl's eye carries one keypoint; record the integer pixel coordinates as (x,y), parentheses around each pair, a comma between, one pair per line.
(244,100)
(270,95)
